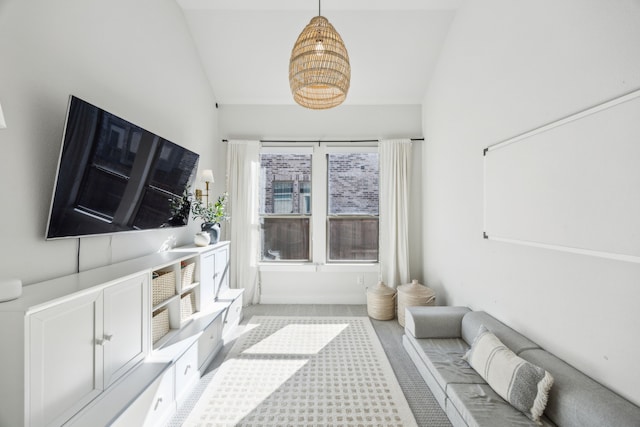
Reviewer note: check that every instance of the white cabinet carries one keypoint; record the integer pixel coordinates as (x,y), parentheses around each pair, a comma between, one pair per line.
(190,294)
(78,350)
(79,347)
(214,271)
(67,340)
(175,295)
(65,363)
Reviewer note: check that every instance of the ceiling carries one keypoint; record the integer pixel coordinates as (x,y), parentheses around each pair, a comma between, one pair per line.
(245,46)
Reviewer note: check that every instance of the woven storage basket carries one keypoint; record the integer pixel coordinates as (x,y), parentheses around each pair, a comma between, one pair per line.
(163,287)
(187,305)
(187,274)
(160,324)
(413,294)
(381,302)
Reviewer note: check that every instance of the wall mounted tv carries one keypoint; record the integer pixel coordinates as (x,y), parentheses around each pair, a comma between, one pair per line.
(114,176)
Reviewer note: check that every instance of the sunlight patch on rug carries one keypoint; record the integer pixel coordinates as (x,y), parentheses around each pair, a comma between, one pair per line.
(297,339)
(320,371)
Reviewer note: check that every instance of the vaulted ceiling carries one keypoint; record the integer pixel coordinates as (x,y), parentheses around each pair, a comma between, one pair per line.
(245,45)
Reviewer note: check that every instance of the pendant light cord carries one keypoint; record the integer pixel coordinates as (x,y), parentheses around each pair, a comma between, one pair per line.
(319,14)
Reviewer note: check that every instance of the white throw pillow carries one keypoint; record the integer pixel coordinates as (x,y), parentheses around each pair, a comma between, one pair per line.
(522,384)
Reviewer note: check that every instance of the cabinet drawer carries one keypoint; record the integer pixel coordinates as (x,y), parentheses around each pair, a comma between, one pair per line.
(209,341)
(234,316)
(162,404)
(187,371)
(154,406)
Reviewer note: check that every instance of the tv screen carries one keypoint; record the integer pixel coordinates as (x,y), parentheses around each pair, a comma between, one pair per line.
(114,176)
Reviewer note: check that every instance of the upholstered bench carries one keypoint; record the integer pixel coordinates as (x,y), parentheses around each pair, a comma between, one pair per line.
(437,340)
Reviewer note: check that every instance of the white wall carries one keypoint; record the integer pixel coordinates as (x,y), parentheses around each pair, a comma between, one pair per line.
(135,59)
(332,284)
(508,67)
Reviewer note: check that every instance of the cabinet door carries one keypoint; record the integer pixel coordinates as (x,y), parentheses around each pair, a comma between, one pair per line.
(207,285)
(65,359)
(221,275)
(126,314)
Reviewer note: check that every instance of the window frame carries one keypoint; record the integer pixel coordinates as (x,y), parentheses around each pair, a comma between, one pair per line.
(305,149)
(319,217)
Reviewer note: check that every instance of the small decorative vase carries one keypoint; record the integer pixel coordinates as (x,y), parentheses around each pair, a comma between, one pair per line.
(202,238)
(214,231)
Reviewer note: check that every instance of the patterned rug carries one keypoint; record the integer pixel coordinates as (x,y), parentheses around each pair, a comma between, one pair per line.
(304,371)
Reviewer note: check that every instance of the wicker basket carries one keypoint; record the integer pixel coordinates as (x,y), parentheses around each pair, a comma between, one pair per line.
(187,274)
(381,302)
(159,324)
(187,305)
(413,294)
(163,287)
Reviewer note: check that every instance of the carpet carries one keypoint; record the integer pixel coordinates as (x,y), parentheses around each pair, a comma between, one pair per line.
(304,371)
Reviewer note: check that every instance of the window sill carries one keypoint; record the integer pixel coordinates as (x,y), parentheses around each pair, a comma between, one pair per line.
(328,268)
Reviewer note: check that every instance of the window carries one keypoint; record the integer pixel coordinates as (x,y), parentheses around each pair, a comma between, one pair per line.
(285,201)
(341,213)
(352,212)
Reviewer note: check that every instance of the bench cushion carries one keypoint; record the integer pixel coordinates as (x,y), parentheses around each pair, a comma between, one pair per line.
(434,322)
(576,400)
(443,358)
(472,321)
(479,405)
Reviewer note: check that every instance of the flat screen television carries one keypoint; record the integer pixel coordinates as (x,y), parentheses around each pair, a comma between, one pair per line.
(114,176)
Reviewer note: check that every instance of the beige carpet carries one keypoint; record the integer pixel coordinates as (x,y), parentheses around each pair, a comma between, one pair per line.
(304,371)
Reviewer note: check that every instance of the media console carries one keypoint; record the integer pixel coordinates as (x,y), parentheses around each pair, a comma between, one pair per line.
(116,345)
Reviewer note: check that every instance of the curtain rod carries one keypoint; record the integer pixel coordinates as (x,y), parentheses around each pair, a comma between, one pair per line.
(330,140)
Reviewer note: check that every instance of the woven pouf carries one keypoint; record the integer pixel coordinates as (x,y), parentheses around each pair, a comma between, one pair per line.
(413,294)
(381,302)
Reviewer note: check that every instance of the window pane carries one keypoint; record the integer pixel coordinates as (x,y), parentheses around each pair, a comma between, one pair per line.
(281,186)
(305,197)
(285,239)
(353,239)
(353,184)
(282,197)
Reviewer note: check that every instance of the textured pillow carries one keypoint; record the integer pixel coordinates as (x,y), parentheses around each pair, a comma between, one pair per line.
(522,384)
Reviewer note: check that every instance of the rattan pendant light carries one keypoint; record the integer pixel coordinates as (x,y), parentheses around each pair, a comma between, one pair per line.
(319,70)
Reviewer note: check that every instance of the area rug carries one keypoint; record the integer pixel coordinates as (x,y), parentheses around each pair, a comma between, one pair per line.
(304,371)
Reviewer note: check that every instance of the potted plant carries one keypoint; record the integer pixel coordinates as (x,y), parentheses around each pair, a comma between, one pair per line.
(211,214)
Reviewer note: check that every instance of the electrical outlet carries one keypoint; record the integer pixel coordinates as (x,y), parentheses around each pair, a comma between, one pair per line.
(360,279)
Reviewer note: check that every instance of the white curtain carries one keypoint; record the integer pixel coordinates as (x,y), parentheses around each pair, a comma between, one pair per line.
(395,173)
(243,169)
